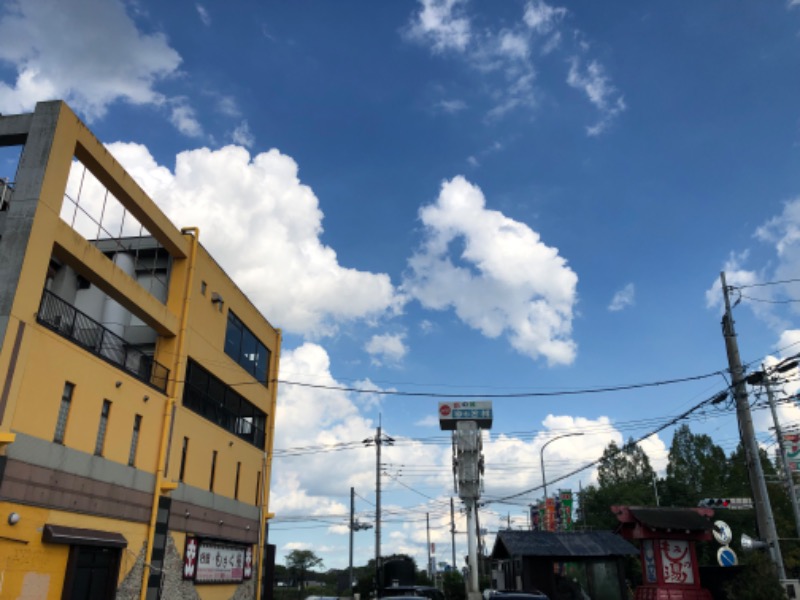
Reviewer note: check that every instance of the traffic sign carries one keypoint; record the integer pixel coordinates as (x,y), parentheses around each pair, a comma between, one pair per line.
(727,557)
(722,532)
(450,413)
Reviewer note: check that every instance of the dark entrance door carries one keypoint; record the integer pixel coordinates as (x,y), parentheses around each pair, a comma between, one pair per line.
(92,573)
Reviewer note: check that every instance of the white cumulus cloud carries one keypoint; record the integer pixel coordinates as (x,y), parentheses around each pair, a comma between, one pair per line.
(387,348)
(74,53)
(623,298)
(505,279)
(263,225)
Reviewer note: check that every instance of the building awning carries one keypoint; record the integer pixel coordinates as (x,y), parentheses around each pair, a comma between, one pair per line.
(59,534)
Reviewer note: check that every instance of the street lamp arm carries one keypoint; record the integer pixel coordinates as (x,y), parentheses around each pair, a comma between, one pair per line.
(541,455)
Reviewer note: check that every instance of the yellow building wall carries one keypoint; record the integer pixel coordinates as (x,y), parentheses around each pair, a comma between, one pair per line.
(50,362)
(29,568)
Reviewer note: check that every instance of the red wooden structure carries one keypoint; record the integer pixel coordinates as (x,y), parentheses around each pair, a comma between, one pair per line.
(666,539)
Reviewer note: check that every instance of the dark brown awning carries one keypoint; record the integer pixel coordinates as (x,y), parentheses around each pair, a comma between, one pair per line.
(59,534)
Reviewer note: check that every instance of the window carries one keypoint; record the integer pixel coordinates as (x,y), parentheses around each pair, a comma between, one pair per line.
(137,425)
(236,485)
(101,430)
(184,452)
(213,471)
(211,398)
(63,412)
(246,349)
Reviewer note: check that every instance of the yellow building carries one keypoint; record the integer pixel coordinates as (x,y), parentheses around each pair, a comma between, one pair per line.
(137,388)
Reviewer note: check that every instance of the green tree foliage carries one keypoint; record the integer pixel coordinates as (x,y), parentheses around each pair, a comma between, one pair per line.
(299,562)
(625,477)
(697,468)
(453,586)
(623,466)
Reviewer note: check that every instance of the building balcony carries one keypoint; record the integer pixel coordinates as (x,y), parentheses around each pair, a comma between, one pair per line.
(67,321)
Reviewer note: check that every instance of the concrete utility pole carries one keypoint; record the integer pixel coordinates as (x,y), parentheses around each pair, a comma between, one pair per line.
(453,530)
(352,527)
(379,440)
(779,435)
(764,517)
(428,531)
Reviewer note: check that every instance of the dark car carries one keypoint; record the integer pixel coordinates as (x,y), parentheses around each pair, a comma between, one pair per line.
(514,595)
(413,590)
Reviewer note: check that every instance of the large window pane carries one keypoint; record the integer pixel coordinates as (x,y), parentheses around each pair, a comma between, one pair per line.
(223,406)
(246,349)
(249,352)
(233,337)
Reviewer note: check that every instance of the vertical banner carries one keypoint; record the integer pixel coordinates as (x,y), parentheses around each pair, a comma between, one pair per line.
(550,514)
(566,510)
(791,449)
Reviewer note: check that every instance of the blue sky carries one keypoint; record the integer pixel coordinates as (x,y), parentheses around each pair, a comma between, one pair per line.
(458,197)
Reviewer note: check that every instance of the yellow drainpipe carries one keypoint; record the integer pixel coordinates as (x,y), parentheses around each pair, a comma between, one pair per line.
(161,484)
(265,515)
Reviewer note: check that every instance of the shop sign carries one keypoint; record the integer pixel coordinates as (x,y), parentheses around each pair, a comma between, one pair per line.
(211,561)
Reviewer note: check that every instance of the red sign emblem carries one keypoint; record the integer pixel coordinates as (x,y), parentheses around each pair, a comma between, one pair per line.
(444,410)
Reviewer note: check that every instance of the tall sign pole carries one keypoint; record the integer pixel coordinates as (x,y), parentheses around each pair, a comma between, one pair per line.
(764,518)
(465,420)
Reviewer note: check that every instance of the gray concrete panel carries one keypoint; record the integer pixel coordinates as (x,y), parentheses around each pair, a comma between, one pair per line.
(41,127)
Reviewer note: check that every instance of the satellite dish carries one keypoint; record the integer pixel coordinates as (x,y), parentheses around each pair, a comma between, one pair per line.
(749,543)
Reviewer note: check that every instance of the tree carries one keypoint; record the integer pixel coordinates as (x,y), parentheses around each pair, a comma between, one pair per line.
(697,468)
(624,476)
(299,562)
(626,465)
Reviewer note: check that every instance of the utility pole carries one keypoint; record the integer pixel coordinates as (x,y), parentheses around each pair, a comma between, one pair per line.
(379,440)
(764,517)
(352,527)
(453,530)
(779,435)
(428,530)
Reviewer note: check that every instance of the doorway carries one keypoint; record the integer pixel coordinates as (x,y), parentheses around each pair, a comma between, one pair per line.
(92,573)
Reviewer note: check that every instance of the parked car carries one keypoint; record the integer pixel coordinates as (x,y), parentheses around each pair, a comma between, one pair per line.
(413,590)
(515,595)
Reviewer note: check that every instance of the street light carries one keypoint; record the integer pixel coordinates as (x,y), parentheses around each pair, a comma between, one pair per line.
(541,456)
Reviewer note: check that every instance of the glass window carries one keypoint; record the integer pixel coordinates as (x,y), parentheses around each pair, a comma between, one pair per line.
(246,349)
(223,406)
(63,412)
(137,425)
(101,430)
(184,453)
(213,471)
(233,336)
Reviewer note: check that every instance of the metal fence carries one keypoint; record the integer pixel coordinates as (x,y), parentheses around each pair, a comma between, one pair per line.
(66,320)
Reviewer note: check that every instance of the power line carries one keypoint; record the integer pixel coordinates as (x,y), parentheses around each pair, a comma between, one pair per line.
(598,390)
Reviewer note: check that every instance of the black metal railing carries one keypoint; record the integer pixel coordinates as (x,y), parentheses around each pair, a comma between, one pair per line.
(66,320)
